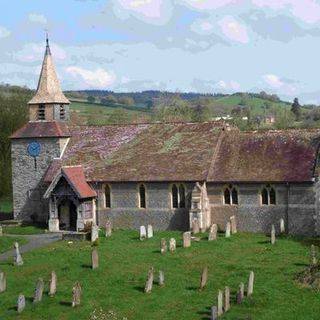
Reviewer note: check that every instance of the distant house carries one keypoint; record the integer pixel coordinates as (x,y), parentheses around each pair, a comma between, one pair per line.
(270,119)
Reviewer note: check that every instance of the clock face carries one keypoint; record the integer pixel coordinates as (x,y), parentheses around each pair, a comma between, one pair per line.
(34,149)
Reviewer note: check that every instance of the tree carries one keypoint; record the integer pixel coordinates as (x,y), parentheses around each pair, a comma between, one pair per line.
(91,99)
(296,109)
(128,101)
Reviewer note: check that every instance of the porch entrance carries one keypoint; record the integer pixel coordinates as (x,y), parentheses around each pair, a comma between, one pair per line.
(67,213)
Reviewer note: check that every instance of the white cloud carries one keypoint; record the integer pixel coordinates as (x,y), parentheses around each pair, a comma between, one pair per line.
(98,78)
(37,18)
(4,32)
(228,85)
(209,4)
(233,30)
(203,27)
(278,84)
(273,81)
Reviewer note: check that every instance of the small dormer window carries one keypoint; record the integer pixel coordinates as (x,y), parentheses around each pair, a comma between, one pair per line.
(41,112)
(62,112)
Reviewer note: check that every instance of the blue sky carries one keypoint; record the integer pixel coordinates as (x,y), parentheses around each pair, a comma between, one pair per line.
(178,45)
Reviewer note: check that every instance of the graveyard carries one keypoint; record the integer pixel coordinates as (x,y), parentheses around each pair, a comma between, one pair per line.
(189,284)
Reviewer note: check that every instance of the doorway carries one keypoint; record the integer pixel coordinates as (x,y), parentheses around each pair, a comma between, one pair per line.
(67,212)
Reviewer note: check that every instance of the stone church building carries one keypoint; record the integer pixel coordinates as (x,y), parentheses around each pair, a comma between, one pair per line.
(164,174)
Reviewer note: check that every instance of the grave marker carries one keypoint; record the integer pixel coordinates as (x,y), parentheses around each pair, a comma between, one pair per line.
(187,239)
(161,278)
(172,245)
(53,284)
(204,278)
(3,282)
(233,224)
(37,297)
(150,231)
(163,246)
(228,229)
(240,293)
(95,258)
(143,233)
(108,228)
(17,258)
(94,232)
(220,307)
(76,294)
(195,227)
(313,256)
(149,282)
(21,303)
(226,299)
(273,235)
(282,227)
(213,232)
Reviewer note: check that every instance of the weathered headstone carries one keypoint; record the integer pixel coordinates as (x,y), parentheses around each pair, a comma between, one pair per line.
(250,283)
(187,239)
(17,257)
(161,278)
(214,315)
(240,293)
(76,294)
(220,303)
(108,228)
(282,227)
(94,232)
(204,278)
(228,229)
(163,246)
(3,282)
(143,233)
(226,299)
(213,232)
(149,282)
(150,231)
(233,224)
(313,256)
(53,284)
(195,227)
(21,303)
(1,232)
(273,235)
(172,245)
(95,258)
(37,297)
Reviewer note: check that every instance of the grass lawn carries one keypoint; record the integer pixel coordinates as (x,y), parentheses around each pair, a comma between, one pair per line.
(5,205)
(6,243)
(118,283)
(23,229)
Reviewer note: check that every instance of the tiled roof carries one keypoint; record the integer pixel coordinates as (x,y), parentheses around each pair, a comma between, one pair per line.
(42,129)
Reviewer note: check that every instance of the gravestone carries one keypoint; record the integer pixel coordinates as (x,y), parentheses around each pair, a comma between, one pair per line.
(150,231)
(163,246)
(313,256)
(17,257)
(220,306)
(53,284)
(21,303)
(204,278)
(76,294)
(95,258)
(195,227)
(233,224)
(37,297)
(226,299)
(143,233)
(108,228)
(282,227)
(213,232)
(161,278)
(172,245)
(214,315)
(3,282)
(228,229)
(149,282)
(187,239)
(273,235)
(240,293)
(250,284)
(1,232)
(94,232)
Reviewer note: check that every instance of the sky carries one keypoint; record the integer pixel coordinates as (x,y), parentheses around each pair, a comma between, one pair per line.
(207,46)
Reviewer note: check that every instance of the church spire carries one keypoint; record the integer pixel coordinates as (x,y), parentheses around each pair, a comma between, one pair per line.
(48,90)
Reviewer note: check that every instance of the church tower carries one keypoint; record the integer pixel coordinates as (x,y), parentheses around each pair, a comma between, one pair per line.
(35,145)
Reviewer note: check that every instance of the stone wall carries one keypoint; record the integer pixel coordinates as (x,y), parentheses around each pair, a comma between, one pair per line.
(28,202)
(125,213)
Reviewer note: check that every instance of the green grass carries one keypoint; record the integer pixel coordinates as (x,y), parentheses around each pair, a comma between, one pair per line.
(5,205)
(124,261)
(6,243)
(23,230)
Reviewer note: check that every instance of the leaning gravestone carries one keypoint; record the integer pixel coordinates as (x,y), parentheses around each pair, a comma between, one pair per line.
(228,230)
(94,232)
(163,246)
(95,258)
(150,231)
(143,233)
(204,278)
(3,282)
(172,245)
(233,224)
(76,294)
(282,227)
(240,293)
(220,306)
(214,314)
(313,256)
(213,232)
(273,235)
(195,227)
(38,291)
(53,284)
(250,284)
(21,303)
(108,228)
(226,299)
(187,239)
(17,258)
(149,282)
(161,278)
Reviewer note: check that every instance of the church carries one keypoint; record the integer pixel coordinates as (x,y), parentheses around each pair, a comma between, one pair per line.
(164,174)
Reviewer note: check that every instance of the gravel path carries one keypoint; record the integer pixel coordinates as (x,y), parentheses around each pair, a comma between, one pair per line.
(34,241)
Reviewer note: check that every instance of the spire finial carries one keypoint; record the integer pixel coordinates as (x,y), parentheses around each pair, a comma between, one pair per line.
(47,43)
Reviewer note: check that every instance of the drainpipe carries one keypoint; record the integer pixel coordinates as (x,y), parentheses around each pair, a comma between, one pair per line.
(287,211)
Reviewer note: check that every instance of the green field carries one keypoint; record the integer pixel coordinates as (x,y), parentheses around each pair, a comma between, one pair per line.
(6,243)
(23,229)
(5,205)
(117,285)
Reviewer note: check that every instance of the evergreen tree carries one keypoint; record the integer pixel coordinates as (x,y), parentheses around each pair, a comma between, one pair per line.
(296,109)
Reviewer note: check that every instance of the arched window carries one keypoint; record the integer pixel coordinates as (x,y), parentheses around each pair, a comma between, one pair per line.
(62,112)
(41,112)
(182,196)
(142,196)
(230,195)
(107,196)
(268,195)
(174,196)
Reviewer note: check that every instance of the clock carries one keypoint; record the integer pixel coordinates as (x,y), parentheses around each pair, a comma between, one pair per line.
(34,149)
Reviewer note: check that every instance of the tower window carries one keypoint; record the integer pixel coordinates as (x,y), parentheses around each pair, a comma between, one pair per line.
(268,195)
(107,196)
(142,196)
(178,196)
(41,112)
(174,196)
(230,195)
(62,112)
